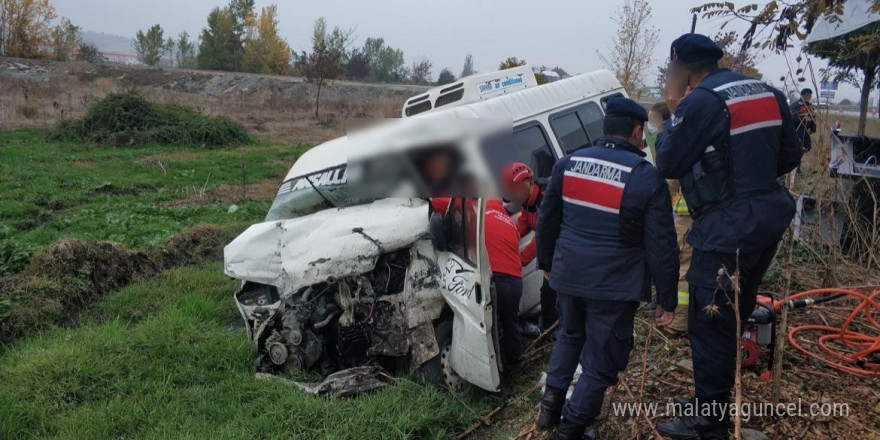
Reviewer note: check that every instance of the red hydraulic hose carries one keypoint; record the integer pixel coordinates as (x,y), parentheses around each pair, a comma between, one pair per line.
(842,347)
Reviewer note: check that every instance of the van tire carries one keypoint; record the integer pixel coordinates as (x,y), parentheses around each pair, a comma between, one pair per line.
(437,371)
(431,372)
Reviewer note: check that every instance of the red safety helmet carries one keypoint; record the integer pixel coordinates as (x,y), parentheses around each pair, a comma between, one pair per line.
(515,173)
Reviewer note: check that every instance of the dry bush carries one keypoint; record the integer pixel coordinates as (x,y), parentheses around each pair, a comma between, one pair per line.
(69,275)
(196,244)
(107,85)
(26,111)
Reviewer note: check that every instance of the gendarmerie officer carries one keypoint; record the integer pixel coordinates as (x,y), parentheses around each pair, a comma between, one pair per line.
(728,140)
(604,230)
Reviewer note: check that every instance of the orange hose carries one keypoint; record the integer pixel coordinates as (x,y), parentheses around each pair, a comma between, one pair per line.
(851,348)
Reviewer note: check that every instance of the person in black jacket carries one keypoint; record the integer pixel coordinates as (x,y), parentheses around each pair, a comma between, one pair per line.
(802,112)
(604,231)
(729,139)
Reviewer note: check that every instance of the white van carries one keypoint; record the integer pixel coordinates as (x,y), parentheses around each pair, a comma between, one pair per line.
(332,281)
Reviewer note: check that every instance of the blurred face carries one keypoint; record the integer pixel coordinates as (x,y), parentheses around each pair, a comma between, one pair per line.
(807,97)
(655,122)
(520,192)
(677,78)
(437,168)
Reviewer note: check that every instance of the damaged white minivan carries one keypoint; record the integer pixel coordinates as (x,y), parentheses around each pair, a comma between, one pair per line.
(336,278)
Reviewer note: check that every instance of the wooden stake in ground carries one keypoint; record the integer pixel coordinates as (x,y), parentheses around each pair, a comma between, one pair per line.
(540,338)
(644,414)
(737,379)
(782,325)
(635,431)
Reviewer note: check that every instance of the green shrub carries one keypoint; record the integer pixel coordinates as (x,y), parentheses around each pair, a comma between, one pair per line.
(14,256)
(127,118)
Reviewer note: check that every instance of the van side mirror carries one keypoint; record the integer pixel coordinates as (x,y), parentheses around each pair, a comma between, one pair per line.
(439,238)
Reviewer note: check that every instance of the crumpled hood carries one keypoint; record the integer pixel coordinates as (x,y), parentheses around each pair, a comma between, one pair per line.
(291,254)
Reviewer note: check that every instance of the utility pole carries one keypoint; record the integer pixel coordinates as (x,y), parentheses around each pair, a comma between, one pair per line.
(694,23)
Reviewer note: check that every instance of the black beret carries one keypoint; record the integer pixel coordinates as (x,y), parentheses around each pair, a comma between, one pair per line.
(807,90)
(624,107)
(689,48)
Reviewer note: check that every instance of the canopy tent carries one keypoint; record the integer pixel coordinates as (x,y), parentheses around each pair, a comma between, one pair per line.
(856,15)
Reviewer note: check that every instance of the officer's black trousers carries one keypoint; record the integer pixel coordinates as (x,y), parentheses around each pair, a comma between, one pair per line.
(508,292)
(711,318)
(599,335)
(548,305)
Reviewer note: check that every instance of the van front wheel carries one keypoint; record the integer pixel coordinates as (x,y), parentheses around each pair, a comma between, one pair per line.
(438,371)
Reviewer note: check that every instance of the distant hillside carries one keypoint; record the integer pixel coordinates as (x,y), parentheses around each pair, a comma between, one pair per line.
(109,42)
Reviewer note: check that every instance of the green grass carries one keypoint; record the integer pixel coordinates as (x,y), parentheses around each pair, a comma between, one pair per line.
(166,358)
(50,190)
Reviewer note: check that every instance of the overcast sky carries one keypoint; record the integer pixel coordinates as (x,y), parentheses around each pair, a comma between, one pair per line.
(566,33)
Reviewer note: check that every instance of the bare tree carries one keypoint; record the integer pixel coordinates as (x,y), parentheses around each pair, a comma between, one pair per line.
(468,68)
(445,77)
(736,58)
(325,62)
(357,65)
(630,53)
(421,70)
(510,63)
(89,52)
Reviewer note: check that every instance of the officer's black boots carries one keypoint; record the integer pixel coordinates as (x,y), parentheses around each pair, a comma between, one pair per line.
(682,400)
(591,434)
(551,408)
(572,431)
(695,428)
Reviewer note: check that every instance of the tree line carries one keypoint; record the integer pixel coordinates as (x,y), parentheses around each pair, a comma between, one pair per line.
(238,38)
(26,31)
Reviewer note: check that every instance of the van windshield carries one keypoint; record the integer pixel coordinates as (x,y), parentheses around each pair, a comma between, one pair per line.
(310,193)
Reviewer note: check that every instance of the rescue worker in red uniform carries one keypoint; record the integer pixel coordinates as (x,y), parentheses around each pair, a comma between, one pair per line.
(527,191)
(502,247)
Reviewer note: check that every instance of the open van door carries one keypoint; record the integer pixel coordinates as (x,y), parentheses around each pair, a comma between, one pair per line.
(467,288)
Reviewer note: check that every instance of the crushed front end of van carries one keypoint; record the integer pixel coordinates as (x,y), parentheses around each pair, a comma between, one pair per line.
(340,288)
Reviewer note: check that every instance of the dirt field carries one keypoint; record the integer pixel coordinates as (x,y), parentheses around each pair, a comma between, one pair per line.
(37,93)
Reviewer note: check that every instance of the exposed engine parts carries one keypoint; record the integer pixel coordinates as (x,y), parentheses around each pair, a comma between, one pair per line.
(341,323)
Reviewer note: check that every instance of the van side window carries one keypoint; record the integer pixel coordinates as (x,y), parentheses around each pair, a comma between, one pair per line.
(569,132)
(534,149)
(578,127)
(591,117)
